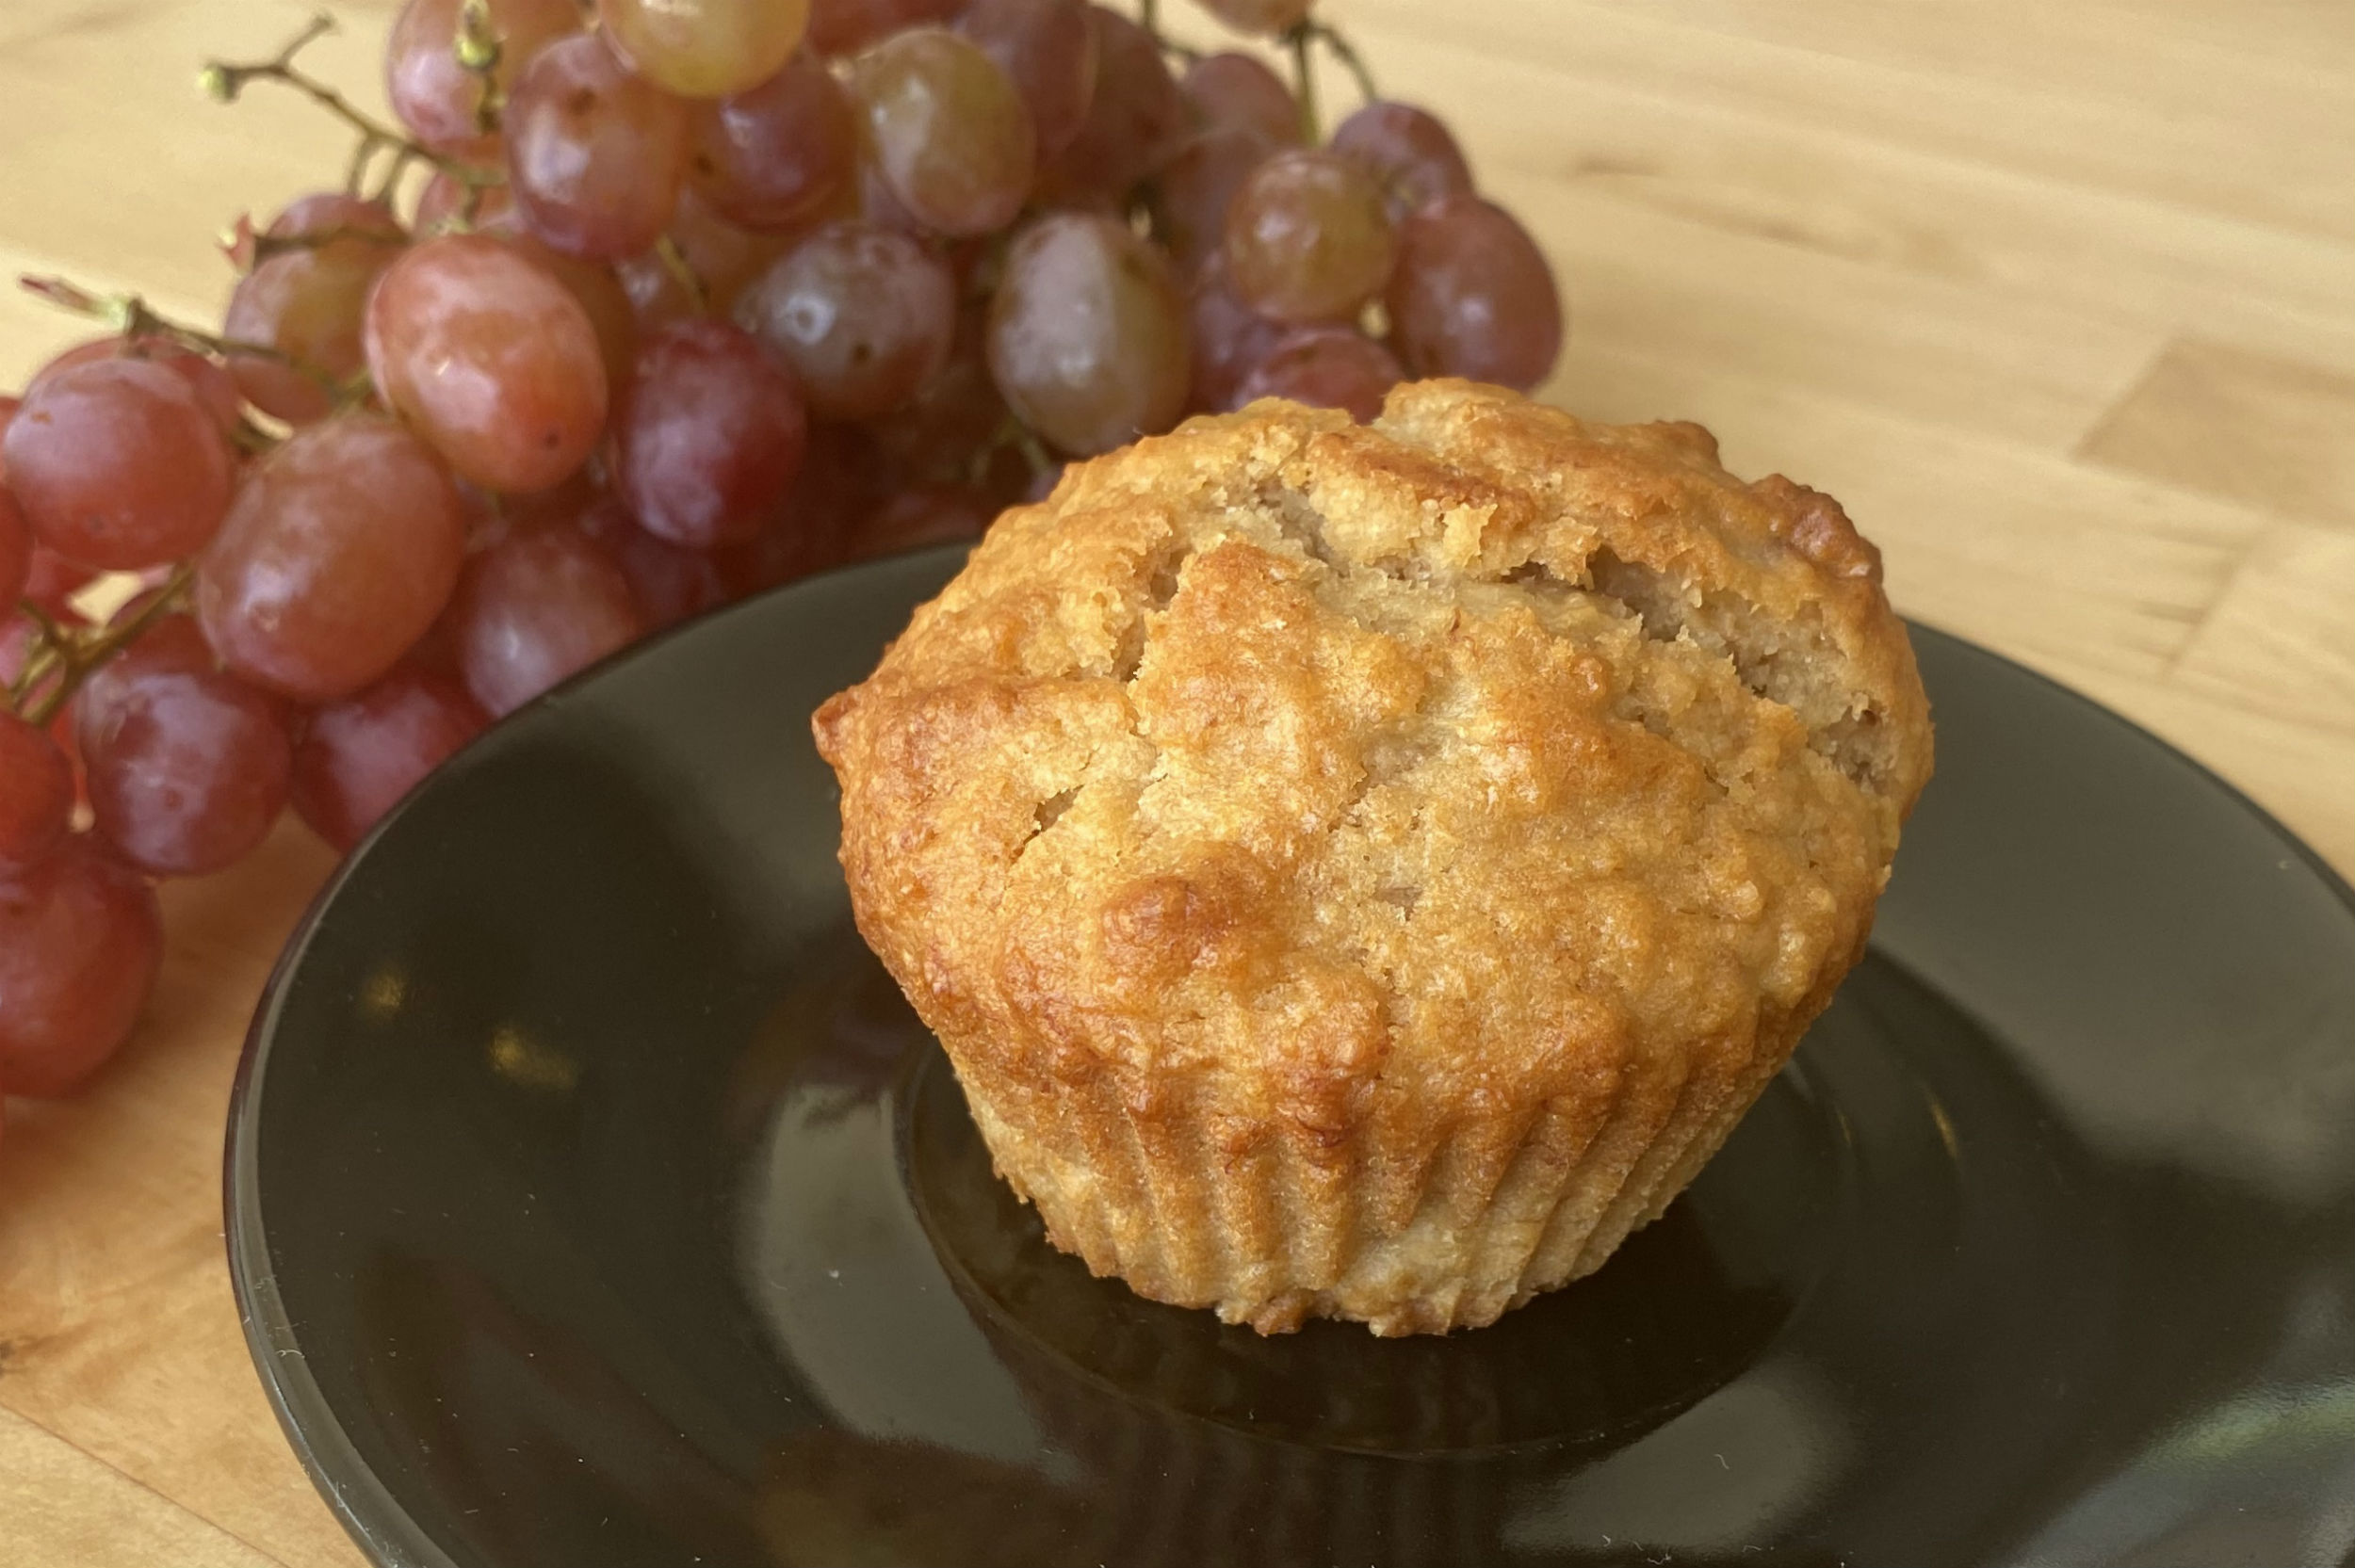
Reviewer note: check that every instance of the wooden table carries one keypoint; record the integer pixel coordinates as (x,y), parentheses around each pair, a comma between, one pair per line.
(2058,299)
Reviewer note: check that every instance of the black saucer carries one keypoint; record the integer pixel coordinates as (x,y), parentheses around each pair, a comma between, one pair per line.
(594,1198)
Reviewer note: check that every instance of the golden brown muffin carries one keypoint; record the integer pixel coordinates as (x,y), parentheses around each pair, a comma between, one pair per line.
(1365,871)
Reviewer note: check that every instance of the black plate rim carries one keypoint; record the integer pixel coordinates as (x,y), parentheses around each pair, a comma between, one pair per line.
(367,1508)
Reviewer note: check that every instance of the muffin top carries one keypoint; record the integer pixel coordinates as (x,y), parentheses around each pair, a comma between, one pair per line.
(1303,771)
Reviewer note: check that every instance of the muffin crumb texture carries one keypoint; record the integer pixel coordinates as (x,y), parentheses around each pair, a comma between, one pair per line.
(1366,870)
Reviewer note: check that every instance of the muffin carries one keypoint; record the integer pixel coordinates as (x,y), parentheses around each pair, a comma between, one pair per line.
(1365,871)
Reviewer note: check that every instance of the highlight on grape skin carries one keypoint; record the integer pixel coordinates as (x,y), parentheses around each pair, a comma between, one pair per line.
(616,320)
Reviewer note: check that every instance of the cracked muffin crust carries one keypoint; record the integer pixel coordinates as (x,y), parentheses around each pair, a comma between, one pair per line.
(1365,871)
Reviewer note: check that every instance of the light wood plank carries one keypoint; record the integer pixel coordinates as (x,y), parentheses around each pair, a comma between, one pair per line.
(2021,549)
(114,1287)
(2300,773)
(2192,134)
(1620,141)
(66,1507)
(2283,638)
(123,175)
(1980,361)
(2273,431)
(2058,299)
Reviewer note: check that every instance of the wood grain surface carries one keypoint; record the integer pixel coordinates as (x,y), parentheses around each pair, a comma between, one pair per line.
(2058,299)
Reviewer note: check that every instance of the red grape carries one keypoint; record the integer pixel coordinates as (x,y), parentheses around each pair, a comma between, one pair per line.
(442,202)
(1044,483)
(492,358)
(1229,337)
(879,205)
(52,581)
(117,463)
(560,504)
(171,644)
(670,584)
(863,315)
(341,550)
(594,155)
(81,937)
(920,517)
(947,130)
(612,315)
(771,155)
(1326,367)
(36,792)
(1087,334)
(705,48)
(1408,151)
(1240,90)
(535,607)
(1003,476)
(213,384)
(1267,17)
(1473,296)
(1048,49)
(723,259)
(952,418)
(1307,239)
(16,554)
(307,303)
(842,27)
(324,212)
(358,758)
(1195,188)
(1136,119)
(709,436)
(831,493)
(188,770)
(18,636)
(437,97)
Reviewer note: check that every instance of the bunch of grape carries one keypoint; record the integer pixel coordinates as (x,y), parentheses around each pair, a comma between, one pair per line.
(640,309)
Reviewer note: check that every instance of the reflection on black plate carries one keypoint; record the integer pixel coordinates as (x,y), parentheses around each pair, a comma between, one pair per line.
(594,1198)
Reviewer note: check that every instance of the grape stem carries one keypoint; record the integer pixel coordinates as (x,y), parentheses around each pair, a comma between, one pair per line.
(246,250)
(131,316)
(1149,18)
(251,439)
(1035,453)
(389,185)
(478,53)
(266,246)
(1338,45)
(223,81)
(1304,86)
(1301,40)
(1012,433)
(675,262)
(41,656)
(78,659)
